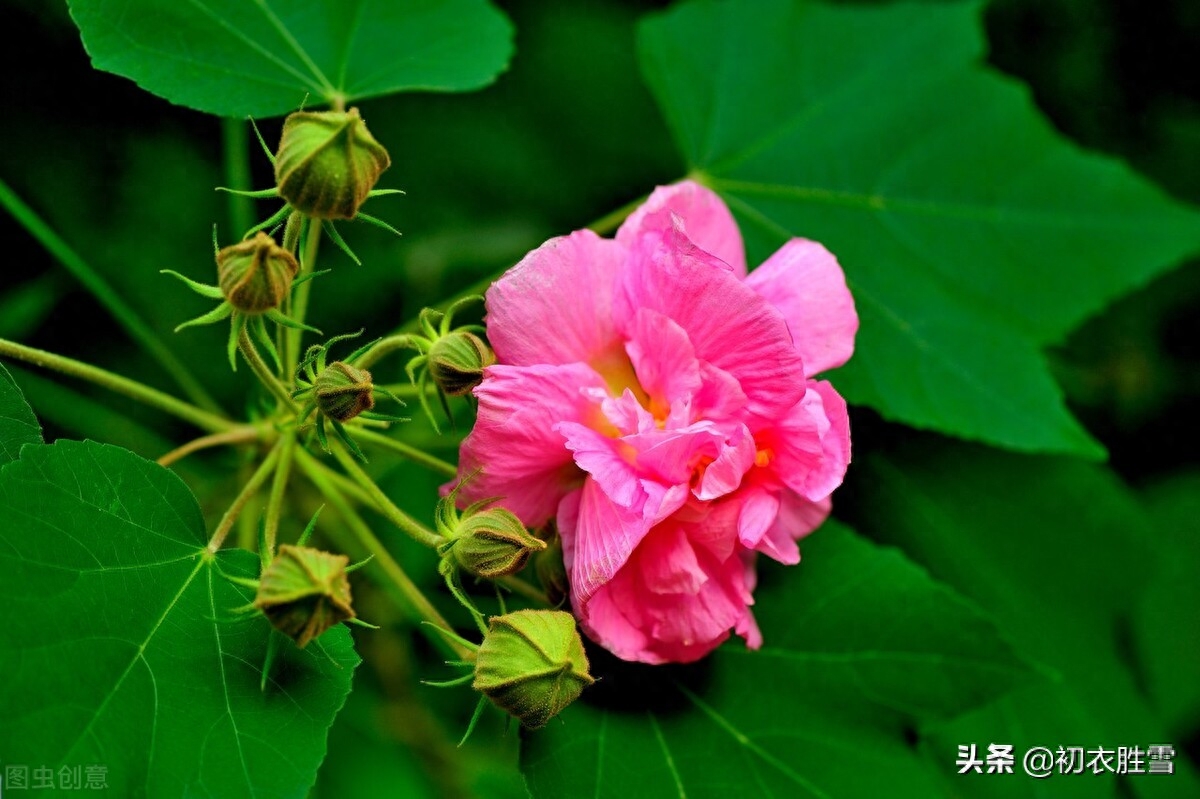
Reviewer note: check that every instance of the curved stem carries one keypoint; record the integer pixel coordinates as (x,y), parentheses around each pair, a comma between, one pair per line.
(308,262)
(383,561)
(114,382)
(124,315)
(248,490)
(383,347)
(238,435)
(418,456)
(278,487)
(411,527)
(264,373)
(519,586)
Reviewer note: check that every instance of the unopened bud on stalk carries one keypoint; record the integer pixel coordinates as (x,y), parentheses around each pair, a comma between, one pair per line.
(328,162)
(304,592)
(491,543)
(457,361)
(255,275)
(343,391)
(532,664)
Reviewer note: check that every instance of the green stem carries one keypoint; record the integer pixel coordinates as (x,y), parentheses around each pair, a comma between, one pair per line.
(124,315)
(383,347)
(383,561)
(519,586)
(611,221)
(411,527)
(122,385)
(248,490)
(418,456)
(278,487)
(264,373)
(235,141)
(236,435)
(300,299)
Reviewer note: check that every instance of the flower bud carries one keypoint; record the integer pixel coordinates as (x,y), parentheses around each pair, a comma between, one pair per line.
(304,592)
(492,543)
(327,163)
(532,664)
(456,362)
(343,391)
(256,275)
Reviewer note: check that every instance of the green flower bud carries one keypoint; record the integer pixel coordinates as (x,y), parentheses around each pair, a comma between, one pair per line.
(343,391)
(532,664)
(456,362)
(491,543)
(327,163)
(256,275)
(304,592)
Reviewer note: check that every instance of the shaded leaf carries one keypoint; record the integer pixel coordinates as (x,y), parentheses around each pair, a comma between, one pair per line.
(262,58)
(1060,555)
(861,647)
(18,425)
(970,231)
(116,644)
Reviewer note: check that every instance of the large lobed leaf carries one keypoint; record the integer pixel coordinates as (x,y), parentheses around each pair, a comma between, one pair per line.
(116,646)
(18,425)
(862,647)
(972,233)
(264,57)
(1063,557)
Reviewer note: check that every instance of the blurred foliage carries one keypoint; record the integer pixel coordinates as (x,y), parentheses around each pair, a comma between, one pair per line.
(567,135)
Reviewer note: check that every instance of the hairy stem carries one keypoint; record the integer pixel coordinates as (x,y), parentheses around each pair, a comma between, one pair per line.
(278,486)
(264,373)
(203,419)
(239,502)
(418,456)
(518,586)
(308,262)
(383,347)
(238,435)
(124,315)
(383,561)
(411,527)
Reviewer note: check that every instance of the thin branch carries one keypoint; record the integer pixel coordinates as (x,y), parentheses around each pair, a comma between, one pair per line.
(124,315)
(114,382)
(411,527)
(239,502)
(238,435)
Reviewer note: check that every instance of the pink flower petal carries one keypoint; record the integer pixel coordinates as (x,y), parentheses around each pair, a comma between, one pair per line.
(523,459)
(705,216)
(555,306)
(600,535)
(797,518)
(729,325)
(804,281)
(810,446)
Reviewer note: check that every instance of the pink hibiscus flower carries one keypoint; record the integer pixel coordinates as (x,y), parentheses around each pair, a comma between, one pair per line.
(658,402)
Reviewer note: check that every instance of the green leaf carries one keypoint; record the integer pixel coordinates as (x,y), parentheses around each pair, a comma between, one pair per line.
(860,647)
(970,231)
(1060,554)
(264,57)
(18,425)
(117,647)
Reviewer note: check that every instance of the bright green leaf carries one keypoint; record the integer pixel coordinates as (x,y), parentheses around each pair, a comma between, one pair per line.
(1059,553)
(18,425)
(970,231)
(117,647)
(264,57)
(861,648)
